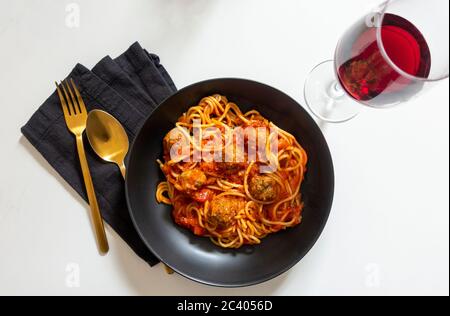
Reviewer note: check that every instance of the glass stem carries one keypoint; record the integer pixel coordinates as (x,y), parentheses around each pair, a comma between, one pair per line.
(335,91)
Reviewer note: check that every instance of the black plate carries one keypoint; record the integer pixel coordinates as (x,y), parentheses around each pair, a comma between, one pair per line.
(197,258)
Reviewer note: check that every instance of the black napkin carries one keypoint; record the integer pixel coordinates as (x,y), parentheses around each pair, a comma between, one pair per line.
(129,87)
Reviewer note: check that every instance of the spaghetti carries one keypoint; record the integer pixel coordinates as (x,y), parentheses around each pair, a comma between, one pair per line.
(233,202)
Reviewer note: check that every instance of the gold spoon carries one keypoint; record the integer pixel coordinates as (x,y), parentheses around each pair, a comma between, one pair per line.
(109,141)
(108,138)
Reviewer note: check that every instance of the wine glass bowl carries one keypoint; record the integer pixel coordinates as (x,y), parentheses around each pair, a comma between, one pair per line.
(386,58)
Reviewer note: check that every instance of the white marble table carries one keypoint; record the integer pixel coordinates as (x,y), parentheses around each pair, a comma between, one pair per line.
(388,233)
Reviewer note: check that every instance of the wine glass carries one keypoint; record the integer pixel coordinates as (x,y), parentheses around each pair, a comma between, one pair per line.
(389,56)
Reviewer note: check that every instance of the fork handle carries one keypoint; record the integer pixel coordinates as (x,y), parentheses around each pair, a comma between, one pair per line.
(97,219)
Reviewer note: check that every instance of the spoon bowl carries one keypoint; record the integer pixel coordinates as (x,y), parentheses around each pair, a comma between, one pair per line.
(107,138)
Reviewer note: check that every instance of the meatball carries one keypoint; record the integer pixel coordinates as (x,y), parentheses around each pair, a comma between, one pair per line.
(192,180)
(175,136)
(263,188)
(224,209)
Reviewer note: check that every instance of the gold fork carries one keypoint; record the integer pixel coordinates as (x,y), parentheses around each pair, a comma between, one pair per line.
(75,114)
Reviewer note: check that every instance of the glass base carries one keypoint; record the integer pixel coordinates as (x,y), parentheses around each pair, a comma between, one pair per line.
(325,96)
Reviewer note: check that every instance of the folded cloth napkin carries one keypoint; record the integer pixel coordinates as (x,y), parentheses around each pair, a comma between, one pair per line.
(129,87)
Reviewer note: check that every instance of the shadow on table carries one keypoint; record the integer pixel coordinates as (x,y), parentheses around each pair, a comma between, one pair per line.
(145,280)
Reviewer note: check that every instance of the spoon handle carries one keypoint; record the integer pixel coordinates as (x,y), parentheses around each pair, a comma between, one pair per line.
(95,211)
(123,169)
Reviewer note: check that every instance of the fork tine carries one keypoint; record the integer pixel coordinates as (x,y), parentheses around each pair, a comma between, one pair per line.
(63,101)
(79,98)
(69,101)
(72,97)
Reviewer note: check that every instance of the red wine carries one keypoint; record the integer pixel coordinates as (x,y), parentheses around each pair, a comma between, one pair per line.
(365,73)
